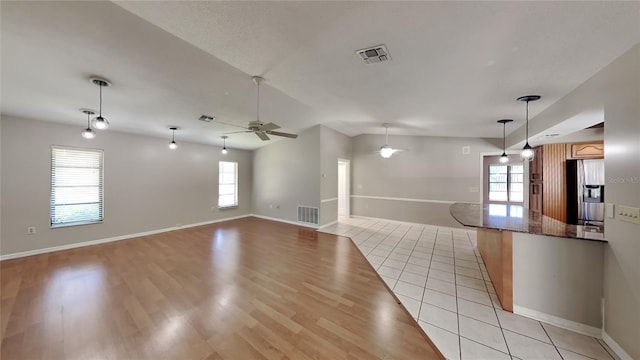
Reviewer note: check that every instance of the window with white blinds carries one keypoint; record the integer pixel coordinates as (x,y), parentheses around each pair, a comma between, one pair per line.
(76,186)
(227,184)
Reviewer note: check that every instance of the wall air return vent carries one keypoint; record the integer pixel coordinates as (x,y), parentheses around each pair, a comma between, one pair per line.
(206,118)
(374,54)
(309,215)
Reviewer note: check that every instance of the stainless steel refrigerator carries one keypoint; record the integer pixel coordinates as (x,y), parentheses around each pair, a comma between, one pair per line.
(585,192)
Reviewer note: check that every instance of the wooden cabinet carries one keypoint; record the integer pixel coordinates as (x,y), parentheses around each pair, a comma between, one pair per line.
(594,150)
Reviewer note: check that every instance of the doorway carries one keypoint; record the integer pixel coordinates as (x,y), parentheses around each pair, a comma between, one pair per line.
(343,187)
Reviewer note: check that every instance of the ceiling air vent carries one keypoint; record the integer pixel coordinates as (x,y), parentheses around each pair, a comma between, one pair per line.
(206,118)
(374,54)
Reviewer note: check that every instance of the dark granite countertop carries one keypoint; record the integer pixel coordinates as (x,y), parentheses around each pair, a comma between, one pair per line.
(519,219)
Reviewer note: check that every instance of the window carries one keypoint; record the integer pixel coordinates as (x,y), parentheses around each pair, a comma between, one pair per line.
(228,184)
(76,186)
(506,183)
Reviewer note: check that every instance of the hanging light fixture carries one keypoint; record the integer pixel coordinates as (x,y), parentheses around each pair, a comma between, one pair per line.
(504,158)
(88,133)
(527,152)
(224,145)
(99,122)
(173,145)
(385,150)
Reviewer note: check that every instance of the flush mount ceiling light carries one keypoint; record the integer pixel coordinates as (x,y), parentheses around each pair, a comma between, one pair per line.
(88,133)
(385,150)
(224,145)
(173,145)
(527,151)
(99,122)
(504,158)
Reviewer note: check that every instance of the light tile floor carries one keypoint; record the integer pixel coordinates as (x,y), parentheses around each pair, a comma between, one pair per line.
(438,275)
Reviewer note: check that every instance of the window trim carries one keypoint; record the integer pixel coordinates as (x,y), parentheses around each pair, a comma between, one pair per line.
(508,183)
(102,210)
(237,200)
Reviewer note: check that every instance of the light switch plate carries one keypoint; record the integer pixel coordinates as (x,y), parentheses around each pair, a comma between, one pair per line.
(628,213)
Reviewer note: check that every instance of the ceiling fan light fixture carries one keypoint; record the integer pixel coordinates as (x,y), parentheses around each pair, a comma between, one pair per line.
(100,122)
(527,152)
(386,151)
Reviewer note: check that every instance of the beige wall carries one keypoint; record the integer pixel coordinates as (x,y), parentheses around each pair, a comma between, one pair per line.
(616,90)
(333,146)
(433,170)
(559,277)
(287,174)
(147,186)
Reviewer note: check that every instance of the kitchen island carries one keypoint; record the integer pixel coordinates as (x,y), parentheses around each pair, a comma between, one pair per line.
(540,267)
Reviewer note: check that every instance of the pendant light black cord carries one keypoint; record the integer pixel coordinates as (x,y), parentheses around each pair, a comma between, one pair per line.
(527,121)
(100,85)
(258,102)
(504,124)
(173,135)
(88,120)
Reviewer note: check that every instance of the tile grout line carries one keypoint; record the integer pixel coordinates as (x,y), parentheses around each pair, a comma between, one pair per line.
(424,290)
(455,282)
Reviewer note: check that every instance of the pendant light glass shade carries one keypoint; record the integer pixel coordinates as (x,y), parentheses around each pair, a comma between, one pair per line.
(88,133)
(527,152)
(173,145)
(504,158)
(224,145)
(100,122)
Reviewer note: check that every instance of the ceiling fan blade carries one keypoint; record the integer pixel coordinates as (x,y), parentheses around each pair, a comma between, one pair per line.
(269,127)
(221,122)
(238,132)
(283,134)
(262,135)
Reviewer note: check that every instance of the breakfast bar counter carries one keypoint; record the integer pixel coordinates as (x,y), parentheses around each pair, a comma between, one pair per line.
(540,267)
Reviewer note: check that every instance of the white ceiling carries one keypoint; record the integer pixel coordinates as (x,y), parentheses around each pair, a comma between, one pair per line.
(457,66)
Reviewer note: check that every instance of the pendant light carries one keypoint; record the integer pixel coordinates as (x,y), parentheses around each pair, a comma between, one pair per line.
(99,122)
(527,152)
(224,145)
(504,158)
(88,133)
(173,145)
(385,150)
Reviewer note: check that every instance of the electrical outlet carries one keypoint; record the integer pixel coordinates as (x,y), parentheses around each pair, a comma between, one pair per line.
(628,213)
(466,150)
(474,189)
(31,230)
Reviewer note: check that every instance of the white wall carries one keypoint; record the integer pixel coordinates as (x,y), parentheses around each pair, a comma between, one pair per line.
(147,186)
(287,174)
(433,170)
(333,146)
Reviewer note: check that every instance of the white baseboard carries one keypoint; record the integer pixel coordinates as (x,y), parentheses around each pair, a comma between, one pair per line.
(328,224)
(111,239)
(559,322)
(615,347)
(285,221)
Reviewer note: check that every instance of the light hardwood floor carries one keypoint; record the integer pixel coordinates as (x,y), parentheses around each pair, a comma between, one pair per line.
(243,289)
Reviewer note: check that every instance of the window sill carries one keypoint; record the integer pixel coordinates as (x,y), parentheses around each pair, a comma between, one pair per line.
(227,207)
(77,223)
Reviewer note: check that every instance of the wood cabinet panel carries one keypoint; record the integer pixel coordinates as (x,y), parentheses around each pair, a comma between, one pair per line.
(554,196)
(496,249)
(586,150)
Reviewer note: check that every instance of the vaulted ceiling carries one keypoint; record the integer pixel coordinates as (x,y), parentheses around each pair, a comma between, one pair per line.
(456,67)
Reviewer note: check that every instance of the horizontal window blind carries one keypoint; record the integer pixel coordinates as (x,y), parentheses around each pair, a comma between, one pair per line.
(76,186)
(227,184)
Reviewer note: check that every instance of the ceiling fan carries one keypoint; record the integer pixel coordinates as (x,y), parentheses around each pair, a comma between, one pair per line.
(385,150)
(257,127)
